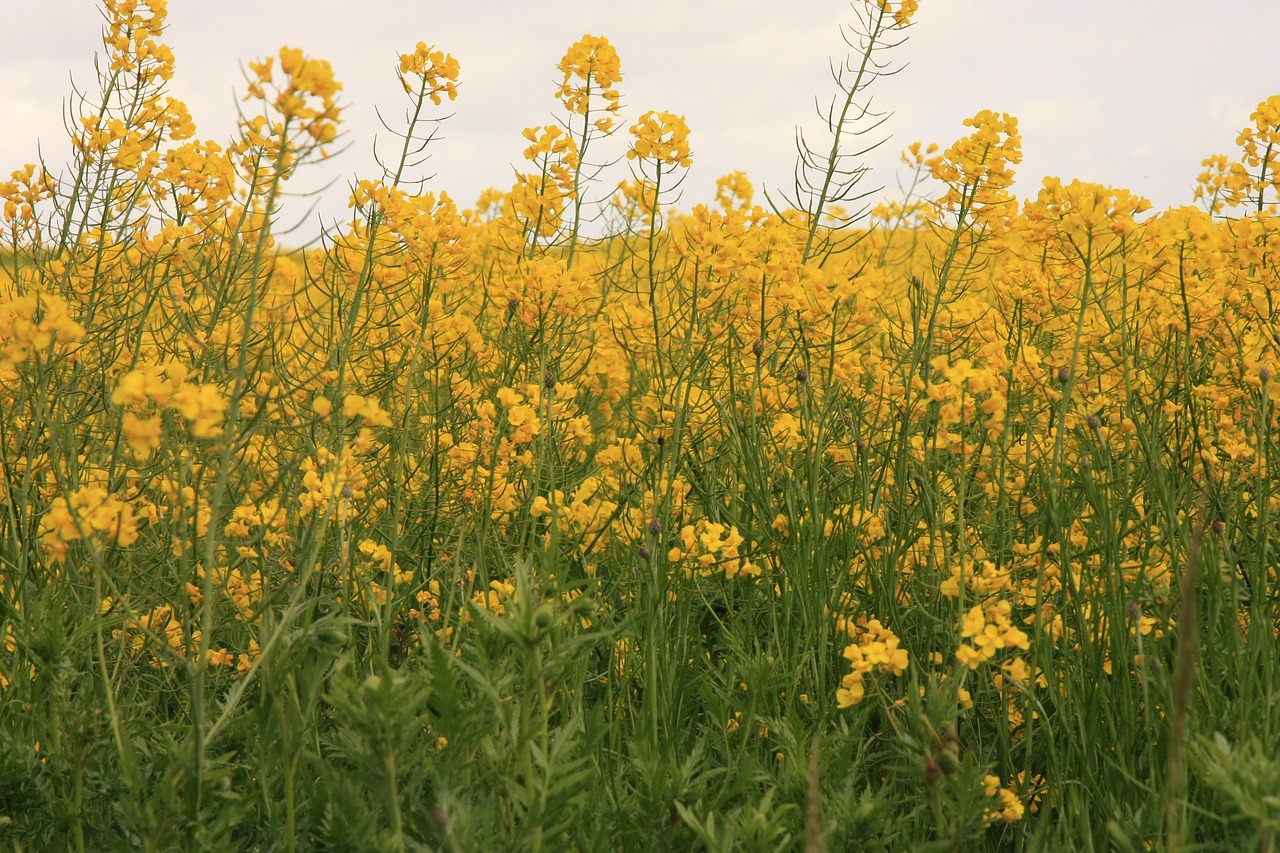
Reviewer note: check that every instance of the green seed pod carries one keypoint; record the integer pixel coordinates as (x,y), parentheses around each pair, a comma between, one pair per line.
(331,637)
(949,761)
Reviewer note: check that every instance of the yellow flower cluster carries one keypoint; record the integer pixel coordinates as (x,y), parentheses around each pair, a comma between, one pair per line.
(26,188)
(34,323)
(902,15)
(378,573)
(976,168)
(1008,806)
(257,527)
(332,482)
(661,136)
(989,630)
(964,388)
(242,588)
(158,623)
(132,30)
(539,200)
(437,72)
(710,545)
(734,191)
(591,66)
(308,96)
(551,145)
(371,414)
(1223,182)
(1261,149)
(88,511)
(875,648)
(1081,211)
(497,598)
(164,386)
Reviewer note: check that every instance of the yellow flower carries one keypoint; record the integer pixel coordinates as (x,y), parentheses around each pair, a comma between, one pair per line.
(509,398)
(976,168)
(142,434)
(661,136)
(202,407)
(901,15)
(437,72)
(734,191)
(850,693)
(1008,807)
(876,647)
(308,98)
(524,419)
(354,405)
(590,66)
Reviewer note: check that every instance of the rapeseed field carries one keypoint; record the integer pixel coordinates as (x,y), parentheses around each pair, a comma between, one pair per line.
(576,520)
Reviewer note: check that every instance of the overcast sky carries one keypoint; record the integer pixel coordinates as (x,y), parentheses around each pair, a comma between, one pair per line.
(1132,93)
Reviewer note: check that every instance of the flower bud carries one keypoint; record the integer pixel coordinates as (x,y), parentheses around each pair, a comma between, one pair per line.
(949,760)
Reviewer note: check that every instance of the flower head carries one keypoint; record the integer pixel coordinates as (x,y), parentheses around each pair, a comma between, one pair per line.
(661,136)
(903,12)
(437,72)
(590,66)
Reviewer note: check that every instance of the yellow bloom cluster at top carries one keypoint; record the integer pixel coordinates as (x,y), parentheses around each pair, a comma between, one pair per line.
(903,13)
(591,66)
(977,168)
(661,136)
(308,96)
(437,70)
(132,33)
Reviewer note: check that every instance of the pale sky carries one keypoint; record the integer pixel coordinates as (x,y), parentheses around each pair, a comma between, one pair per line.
(1133,93)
